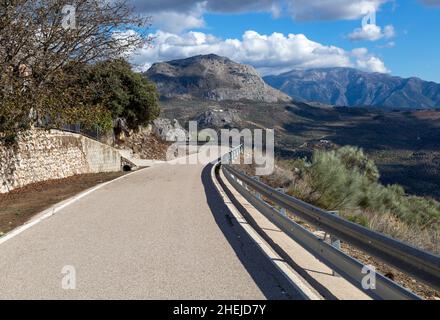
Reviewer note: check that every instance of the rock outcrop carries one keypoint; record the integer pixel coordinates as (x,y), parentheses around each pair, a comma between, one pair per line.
(169,130)
(212,77)
(218,118)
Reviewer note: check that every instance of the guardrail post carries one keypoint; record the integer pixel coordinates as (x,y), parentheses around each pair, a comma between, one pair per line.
(331,231)
(258,195)
(282,210)
(335,242)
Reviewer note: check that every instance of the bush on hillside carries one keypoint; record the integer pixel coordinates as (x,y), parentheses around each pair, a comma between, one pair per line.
(347,180)
(355,159)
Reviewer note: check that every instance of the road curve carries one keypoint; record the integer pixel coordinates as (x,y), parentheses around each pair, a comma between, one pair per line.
(160,233)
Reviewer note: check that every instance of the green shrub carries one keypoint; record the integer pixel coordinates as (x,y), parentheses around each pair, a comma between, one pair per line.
(355,159)
(333,185)
(346,180)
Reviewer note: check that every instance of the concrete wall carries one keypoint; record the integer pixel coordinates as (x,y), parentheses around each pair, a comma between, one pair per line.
(41,155)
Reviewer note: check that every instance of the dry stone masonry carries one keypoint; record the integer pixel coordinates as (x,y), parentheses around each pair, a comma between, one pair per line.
(41,155)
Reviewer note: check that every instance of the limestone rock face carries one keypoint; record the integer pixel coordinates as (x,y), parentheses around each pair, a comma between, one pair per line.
(169,130)
(218,118)
(212,77)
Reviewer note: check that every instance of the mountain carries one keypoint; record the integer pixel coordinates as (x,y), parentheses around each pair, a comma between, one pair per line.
(211,77)
(352,87)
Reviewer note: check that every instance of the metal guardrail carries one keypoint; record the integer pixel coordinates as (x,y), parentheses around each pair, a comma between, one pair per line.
(95,135)
(417,263)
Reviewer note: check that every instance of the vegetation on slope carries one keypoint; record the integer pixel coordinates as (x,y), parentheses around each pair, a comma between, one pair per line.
(404,145)
(347,181)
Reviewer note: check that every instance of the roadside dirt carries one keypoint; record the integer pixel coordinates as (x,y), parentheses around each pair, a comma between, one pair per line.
(405,281)
(18,206)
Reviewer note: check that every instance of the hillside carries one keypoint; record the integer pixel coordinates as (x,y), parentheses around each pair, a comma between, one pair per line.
(403,144)
(211,77)
(351,87)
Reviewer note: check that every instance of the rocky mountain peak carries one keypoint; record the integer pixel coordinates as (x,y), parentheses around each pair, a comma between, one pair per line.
(212,77)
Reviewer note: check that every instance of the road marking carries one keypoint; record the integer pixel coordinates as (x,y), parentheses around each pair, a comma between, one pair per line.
(59,206)
(297,281)
(56,208)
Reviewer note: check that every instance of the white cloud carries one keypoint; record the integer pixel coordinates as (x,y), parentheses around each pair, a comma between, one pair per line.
(270,54)
(372,32)
(368,62)
(389,32)
(373,64)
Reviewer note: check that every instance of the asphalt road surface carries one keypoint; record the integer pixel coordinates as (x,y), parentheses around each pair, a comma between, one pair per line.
(160,233)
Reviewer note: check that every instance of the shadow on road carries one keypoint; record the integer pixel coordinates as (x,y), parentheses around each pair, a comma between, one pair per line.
(272,283)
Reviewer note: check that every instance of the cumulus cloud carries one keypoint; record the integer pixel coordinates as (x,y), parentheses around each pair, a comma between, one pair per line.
(270,54)
(368,62)
(372,32)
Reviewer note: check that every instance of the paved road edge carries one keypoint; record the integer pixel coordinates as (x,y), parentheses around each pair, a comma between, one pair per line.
(39,217)
(296,280)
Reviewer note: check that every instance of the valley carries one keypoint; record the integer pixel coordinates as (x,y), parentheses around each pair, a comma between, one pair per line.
(404,144)
(394,120)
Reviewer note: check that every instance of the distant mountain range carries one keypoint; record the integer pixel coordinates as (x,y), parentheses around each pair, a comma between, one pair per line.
(212,77)
(351,87)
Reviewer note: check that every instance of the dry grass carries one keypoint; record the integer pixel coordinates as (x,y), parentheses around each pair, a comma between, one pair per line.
(385,223)
(18,206)
(427,239)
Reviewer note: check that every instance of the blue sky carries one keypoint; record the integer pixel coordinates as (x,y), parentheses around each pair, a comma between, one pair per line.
(404,40)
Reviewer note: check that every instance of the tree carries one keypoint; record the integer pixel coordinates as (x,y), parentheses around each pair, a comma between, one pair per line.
(38,50)
(126,94)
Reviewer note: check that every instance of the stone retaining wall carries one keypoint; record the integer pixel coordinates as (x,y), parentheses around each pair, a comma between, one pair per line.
(41,155)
